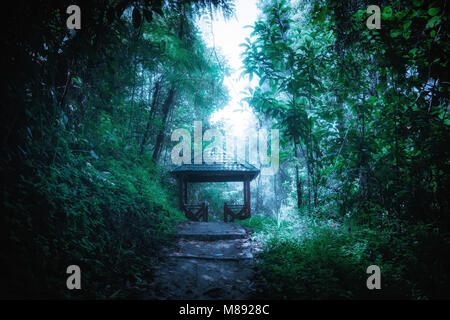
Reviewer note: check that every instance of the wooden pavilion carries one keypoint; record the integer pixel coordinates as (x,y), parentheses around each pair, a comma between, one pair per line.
(224,169)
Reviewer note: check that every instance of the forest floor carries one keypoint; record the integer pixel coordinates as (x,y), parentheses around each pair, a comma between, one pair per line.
(211,260)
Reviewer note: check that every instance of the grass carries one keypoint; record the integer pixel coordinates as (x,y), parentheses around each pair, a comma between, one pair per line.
(307,258)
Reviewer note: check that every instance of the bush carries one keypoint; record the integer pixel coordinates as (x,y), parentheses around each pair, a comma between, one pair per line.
(108,216)
(331,263)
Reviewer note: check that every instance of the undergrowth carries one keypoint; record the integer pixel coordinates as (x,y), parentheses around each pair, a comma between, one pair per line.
(107,214)
(306,258)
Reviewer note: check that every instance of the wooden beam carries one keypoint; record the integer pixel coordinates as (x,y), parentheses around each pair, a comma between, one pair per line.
(249,198)
(180,193)
(244,189)
(185,191)
(247,194)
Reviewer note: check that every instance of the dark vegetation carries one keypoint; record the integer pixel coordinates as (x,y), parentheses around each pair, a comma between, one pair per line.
(364,165)
(84,139)
(366,113)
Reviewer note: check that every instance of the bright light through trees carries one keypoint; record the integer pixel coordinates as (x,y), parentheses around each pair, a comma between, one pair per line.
(237,118)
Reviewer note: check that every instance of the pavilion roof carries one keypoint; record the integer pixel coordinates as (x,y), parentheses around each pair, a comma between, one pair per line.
(224,167)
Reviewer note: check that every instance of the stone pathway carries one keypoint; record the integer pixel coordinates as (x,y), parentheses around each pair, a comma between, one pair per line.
(211,260)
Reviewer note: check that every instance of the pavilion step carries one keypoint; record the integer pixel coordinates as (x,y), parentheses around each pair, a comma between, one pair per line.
(235,249)
(210,257)
(210,231)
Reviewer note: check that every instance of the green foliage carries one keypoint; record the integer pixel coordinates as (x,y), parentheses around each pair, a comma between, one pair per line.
(257,223)
(87,119)
(330,262)
(365,112)
(110,223)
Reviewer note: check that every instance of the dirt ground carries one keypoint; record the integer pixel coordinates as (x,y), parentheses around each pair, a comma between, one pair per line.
(211,260)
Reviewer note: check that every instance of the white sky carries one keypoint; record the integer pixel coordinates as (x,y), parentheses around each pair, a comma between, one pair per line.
(226,36)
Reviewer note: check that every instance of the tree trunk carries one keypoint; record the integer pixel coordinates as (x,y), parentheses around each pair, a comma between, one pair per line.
(162,131)
(297,178)
(156,90)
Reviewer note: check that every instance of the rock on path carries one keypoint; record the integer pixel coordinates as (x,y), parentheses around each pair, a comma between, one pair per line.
(211,260)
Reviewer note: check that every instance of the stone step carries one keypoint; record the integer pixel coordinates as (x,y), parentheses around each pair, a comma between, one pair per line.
(210,231)
(213,248)
(209,260)
(235,249)
(210,257)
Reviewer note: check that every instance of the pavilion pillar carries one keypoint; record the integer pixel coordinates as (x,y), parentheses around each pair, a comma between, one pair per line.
(247,194)
(185,191)
(180,192)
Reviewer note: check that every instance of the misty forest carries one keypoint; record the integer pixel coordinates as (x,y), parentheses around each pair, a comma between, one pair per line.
(357,134)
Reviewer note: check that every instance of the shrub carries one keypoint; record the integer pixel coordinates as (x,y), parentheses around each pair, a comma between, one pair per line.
(108,216)
(331,263)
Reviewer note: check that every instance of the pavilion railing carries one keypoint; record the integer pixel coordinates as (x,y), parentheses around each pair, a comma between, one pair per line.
(196,212)
(235,211)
